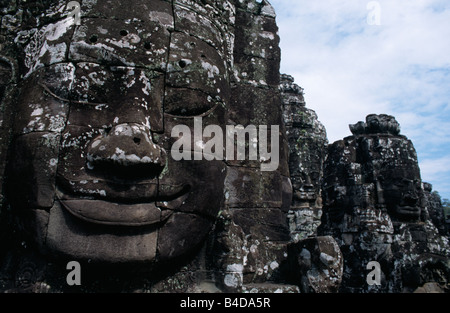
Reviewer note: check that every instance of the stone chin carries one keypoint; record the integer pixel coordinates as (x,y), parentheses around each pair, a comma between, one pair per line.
(149,237)
(72,237)
(105,231)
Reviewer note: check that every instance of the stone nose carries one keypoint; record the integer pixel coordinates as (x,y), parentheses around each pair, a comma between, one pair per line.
(127,150)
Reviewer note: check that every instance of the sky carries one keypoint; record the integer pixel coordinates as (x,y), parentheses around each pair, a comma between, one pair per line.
(358,57)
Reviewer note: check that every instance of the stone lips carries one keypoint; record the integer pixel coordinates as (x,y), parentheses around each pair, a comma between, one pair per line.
(107,213)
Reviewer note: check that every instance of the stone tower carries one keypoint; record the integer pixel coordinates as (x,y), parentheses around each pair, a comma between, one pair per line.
(307,139)
(376,209)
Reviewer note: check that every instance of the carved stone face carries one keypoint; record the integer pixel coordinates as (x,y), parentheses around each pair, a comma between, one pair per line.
(403,197)
(375,170)
(399,179)
(92,174)
(305,190)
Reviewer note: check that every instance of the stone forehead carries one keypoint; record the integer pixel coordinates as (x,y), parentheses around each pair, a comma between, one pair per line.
(220,13)
(120,33)
(44,34)
(106,8)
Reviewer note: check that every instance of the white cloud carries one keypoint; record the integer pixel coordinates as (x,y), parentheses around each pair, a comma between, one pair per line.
(350,69)
(437,171)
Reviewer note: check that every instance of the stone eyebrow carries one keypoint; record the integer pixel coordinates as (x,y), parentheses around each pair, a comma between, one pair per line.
(67,100)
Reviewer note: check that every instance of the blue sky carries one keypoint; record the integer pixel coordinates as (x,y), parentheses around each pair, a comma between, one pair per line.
(350,67)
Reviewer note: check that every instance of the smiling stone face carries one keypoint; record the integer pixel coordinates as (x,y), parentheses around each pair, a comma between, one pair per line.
(91,176)
(376,208)
(393,168)
(376,168)
(403,194)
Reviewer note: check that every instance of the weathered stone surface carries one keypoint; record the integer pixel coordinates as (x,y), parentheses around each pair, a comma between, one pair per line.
(68,236)
(307,150)
(90,109)
(257,52)
(8,93)
(109,92)
(249,187)
(270,288)
(377,124)
(131,41)
(116,95)
(316,265)
(265,224)
(375,207)
(41,106)
(36,156)
(435,209)
(244,255)
(114,75)
(251,234)
(172,241)
(429,288)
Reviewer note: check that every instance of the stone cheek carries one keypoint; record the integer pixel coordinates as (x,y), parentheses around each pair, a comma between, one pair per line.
(39,188)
